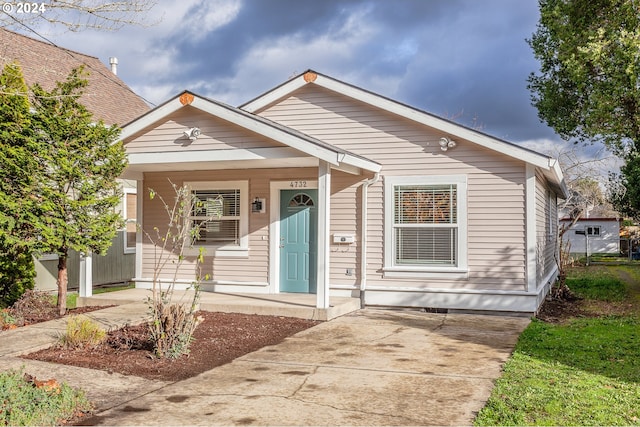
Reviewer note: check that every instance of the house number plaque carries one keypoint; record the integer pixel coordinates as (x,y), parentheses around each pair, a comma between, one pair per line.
(297,184)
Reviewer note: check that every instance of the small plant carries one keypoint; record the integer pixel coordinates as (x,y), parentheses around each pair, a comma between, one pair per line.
(172,329)
(26,401)
(82,332)
(172,325)
(7,321)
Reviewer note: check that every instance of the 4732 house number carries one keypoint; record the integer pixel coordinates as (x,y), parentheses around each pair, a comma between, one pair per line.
(297,184)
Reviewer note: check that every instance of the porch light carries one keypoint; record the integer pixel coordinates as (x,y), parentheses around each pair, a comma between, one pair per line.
(192,133)
(258,205)
(446,143)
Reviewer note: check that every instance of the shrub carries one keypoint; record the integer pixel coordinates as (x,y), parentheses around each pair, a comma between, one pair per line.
(34,306)
(172,329)
(82,332)
(23,403)
(17,275)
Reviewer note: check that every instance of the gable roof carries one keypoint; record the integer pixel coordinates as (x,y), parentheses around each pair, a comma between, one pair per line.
(290,137)
(549,166)
(107,97)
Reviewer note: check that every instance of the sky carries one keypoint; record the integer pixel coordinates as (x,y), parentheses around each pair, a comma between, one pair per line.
(465,60)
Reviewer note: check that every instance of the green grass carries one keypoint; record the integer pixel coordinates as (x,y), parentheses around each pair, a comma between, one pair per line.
(598,287)
(72,297)
(584,372)
(22,404)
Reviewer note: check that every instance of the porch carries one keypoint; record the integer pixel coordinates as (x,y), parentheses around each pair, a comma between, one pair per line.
(289,305)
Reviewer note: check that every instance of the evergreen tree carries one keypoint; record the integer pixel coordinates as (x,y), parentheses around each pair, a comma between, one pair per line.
(78,192)
(18,179)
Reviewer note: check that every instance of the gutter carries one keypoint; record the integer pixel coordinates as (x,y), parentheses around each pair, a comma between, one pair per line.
(363,239)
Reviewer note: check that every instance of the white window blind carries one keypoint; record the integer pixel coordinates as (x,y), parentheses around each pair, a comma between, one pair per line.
(217,214)
(425,224)
(131,228)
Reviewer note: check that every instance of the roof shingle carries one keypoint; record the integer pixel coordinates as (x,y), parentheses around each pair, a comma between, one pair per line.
(107,97)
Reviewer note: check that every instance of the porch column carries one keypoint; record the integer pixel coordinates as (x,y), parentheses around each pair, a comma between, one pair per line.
(140,191)
(86,275)
(324,198)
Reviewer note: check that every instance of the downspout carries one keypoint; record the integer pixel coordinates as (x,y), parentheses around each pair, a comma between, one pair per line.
(363,239)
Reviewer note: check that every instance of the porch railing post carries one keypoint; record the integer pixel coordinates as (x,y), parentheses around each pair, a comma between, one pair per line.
(86,275)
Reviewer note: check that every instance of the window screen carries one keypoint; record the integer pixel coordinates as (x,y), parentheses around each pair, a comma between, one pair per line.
(425,224)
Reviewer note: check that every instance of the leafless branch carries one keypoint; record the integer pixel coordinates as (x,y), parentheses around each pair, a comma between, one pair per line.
(77,15)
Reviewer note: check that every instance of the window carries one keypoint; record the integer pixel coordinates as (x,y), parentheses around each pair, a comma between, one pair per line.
(221,212)
(593,231)
(217,213)
(425,224)
(129,214)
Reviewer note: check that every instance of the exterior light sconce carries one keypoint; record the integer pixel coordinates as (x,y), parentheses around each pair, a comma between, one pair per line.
(258,205)
(192,133)
(446,143)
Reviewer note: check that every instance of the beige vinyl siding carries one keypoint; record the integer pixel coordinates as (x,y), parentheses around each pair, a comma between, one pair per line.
(216,134)
(346,211)
(254,268)
(496,228)
(546,229)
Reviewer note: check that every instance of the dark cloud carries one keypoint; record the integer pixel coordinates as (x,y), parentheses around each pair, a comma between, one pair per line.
(465,59)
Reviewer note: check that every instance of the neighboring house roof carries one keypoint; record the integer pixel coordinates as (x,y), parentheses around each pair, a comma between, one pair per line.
(549,166)
(304,143)
(107,97)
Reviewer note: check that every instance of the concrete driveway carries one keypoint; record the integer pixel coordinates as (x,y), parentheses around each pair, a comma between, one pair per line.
(372,367)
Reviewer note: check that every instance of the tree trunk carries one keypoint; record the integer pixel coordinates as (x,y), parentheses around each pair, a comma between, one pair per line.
(62,284)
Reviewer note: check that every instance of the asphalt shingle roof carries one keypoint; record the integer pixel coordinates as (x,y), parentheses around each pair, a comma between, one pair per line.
(107,97)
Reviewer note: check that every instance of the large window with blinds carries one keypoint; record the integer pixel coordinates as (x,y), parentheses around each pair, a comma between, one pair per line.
(425,224)
(220,215)
(425,220)
(216,215)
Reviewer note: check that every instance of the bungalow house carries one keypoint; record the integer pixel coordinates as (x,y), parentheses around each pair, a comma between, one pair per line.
(325,188)
(109,99)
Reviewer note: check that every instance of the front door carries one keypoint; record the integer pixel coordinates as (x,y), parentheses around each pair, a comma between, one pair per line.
(298,231)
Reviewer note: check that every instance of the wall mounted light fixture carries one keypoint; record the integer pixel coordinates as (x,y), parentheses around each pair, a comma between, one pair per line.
(192,133)
(446,143)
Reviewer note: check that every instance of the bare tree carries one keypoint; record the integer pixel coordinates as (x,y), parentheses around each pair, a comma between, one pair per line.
(77,15)
(584,177)
(585,195)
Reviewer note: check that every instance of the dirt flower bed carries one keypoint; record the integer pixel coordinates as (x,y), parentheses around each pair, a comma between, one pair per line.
(220,338)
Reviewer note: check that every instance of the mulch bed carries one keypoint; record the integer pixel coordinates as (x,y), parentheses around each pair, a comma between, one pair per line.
(220,338)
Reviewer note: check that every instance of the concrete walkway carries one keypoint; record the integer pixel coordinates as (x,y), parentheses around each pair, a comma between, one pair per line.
(371,367)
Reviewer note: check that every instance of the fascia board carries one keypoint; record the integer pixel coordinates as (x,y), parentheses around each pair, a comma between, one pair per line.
(361,163)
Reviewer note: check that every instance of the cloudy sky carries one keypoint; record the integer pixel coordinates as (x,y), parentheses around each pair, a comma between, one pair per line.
(466,60)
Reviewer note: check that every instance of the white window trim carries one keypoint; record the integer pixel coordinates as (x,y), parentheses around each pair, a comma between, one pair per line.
(401,271)
(226,251)
(125,191)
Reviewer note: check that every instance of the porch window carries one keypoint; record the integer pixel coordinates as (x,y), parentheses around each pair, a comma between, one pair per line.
(217,215)
(129,213)
(425,224)
(221,215)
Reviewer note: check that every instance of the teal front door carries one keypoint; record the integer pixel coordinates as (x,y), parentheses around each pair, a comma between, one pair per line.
(298,231)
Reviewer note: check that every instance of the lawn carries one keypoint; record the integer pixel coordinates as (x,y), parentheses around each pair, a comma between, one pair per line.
(582,371)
